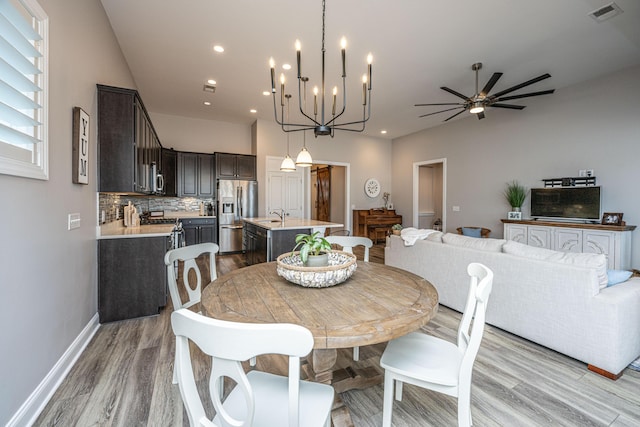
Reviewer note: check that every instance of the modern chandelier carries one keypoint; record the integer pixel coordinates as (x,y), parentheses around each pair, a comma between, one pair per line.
(318,121)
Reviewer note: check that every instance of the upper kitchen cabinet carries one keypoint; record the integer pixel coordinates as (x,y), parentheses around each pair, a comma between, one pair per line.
(196,175)
(129,151)
(170,172)
(235,166)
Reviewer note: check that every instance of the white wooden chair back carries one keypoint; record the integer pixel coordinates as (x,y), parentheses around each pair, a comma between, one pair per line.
(471,326)
(229,343)
(348,242)
(188,255)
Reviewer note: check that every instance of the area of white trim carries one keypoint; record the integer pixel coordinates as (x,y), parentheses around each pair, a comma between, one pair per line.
(416,192)
(35,403)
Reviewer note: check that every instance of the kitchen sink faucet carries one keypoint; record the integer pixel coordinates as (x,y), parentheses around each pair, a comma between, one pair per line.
(281,214)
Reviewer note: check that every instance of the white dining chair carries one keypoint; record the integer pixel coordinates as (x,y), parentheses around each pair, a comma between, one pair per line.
(177,282)
(258,398)
(348,243)
(436,364)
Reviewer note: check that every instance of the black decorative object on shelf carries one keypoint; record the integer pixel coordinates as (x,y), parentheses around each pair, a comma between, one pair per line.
(582,181)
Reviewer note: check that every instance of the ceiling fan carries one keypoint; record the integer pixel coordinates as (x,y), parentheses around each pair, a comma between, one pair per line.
(477,103)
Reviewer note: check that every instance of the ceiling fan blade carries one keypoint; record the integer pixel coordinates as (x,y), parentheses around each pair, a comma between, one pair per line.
(492,81)
(481,115)
(453,92)
(509,106)
(441,111)
(521,85)
(525,95)
(446,103)
(446,120)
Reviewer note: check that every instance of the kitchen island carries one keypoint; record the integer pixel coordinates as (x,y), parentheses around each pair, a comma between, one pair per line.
(265,239)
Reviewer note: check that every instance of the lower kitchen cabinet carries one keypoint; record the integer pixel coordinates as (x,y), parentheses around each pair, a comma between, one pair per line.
(263,245)
(132,278)
(200,230)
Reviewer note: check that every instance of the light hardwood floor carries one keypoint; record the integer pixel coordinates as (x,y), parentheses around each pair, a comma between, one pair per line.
(124,379)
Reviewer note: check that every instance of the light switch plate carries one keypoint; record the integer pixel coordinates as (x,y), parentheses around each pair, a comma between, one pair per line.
(73,221)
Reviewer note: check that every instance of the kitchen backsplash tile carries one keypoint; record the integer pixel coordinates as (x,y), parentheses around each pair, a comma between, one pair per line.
(114,203)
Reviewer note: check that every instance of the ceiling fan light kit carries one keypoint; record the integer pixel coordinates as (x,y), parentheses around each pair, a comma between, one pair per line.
(480,100)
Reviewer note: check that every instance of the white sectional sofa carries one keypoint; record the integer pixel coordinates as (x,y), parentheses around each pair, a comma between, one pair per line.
(555,299)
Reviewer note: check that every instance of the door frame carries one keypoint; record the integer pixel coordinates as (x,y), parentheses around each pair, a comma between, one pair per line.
(347,190)
(416,190)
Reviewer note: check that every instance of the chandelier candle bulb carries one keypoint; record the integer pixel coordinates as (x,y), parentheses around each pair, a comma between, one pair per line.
(272,64)
(369,61)
(343,44)
(282,89)
(315,100)
(298,47)
(335,93)
(364,89)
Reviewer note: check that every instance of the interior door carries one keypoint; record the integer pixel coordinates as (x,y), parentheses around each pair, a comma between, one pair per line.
(285,191)
(323,199)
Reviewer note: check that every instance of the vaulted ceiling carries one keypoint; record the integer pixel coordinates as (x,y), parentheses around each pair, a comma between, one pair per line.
(418,46)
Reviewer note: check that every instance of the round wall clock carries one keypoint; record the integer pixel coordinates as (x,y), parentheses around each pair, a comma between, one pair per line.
(372,187)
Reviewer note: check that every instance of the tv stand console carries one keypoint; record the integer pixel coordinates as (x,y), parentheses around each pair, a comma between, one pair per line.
(611,240)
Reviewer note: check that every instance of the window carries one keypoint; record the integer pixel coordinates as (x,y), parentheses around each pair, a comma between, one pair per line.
(23,89)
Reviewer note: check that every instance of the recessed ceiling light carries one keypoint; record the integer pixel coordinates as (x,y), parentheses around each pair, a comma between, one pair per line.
(383,132)
(218,48)
(206,103)
(286,66)
(253,111)
(211,81)
(266,93)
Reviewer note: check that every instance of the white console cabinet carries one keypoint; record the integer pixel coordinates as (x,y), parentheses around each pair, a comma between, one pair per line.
(610,240)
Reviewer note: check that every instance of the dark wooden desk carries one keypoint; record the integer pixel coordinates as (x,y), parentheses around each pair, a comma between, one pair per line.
(374,223)
(378,303)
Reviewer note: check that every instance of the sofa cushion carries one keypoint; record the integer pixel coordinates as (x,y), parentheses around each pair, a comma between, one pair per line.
(617,276)
(471,232)
(489,245)
(435,237)
(597,261)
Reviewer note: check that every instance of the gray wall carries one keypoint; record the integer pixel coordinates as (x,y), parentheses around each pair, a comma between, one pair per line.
(593,125)
(48,285)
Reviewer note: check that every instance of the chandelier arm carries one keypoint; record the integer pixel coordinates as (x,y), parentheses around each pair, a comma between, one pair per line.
(300,104)
(366,115)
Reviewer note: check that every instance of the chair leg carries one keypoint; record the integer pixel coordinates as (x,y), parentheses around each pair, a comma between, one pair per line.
(399,385)
(464,410)
(356,353)
(252,362)
(175,373)
(387,407)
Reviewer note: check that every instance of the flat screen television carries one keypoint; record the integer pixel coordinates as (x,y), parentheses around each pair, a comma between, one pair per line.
(571,203)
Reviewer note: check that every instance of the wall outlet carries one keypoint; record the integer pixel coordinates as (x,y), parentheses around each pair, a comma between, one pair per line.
(456,208)
(582,172)
(73,221)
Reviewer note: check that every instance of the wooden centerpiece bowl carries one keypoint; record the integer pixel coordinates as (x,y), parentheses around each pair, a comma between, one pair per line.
(341,267)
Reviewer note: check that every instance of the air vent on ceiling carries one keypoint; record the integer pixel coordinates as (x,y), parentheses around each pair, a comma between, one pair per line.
(209,88)
(606,12)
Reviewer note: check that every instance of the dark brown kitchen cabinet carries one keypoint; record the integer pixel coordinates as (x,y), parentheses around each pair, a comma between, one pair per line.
(236,166)
(128,146)
(132,278)
(196,175)
(169,170)
(199,230)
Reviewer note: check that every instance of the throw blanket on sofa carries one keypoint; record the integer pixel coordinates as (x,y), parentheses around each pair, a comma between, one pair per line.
(410,235)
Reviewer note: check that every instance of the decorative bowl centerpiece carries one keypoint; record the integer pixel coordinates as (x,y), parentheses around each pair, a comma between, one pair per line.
(341,267)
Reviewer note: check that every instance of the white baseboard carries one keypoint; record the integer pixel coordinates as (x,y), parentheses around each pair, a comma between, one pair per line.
(35,403)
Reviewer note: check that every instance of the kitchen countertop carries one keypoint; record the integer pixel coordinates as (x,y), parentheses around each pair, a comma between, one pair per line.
(117,230)
(275,224)
(185,214)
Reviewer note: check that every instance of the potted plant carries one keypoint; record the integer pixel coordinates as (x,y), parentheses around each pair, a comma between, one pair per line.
(515,195)
(314,249)
(396,228)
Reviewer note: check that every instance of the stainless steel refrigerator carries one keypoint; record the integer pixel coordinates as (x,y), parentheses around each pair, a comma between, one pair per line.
(236,200)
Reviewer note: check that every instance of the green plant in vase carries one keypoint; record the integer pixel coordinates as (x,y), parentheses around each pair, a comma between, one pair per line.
(515,195)
(313,245)
(396,228)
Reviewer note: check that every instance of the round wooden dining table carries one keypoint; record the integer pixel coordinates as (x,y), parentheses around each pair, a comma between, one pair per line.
(378,303)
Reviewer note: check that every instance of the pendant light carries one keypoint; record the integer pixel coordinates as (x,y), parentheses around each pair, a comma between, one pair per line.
(287,164)
(304,157)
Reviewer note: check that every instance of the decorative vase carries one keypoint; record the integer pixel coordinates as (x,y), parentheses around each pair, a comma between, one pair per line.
(515,209)
(396,232)
(321,260)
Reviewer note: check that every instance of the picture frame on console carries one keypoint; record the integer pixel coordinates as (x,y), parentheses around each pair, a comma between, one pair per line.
(612,218)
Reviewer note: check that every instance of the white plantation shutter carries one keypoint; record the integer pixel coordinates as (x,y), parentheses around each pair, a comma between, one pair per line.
(23,89)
